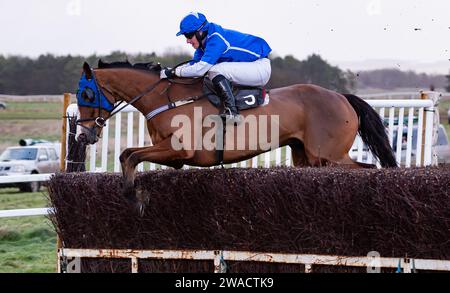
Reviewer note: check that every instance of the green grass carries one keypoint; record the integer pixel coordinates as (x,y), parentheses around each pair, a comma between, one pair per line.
(27,244)
(32,110)
(11,138)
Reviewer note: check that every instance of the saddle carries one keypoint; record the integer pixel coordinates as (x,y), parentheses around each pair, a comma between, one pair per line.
(246,97)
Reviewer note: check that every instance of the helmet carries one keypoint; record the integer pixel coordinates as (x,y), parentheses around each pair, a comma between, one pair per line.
(192,22)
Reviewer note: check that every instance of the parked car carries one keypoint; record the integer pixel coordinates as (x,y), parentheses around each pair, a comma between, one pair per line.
(2,106)
(24,160)
(441,147)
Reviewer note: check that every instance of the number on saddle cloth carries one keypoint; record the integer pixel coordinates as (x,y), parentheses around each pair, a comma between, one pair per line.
(246,97)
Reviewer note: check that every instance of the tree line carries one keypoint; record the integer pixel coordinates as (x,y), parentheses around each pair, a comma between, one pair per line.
(394,78)
(49,74)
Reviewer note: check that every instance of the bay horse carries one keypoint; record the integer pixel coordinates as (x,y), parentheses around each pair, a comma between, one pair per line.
(318,124)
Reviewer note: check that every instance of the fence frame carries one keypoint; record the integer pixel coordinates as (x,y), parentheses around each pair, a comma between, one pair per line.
(220,257)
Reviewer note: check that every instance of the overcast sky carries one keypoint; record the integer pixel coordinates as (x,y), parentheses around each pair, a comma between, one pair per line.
(408,34)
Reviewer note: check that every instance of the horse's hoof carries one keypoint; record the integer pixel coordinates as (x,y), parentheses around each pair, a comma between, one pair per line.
(140,206)
(141,196)
(142,201)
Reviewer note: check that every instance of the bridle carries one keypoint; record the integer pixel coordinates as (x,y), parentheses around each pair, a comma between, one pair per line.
(101,121)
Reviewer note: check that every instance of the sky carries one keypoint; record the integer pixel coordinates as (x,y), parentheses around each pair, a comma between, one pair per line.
(354,34)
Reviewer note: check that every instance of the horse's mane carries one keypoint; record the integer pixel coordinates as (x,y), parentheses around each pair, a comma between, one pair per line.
(149,66)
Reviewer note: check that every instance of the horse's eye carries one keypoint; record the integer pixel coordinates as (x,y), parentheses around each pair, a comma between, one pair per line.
(88,95)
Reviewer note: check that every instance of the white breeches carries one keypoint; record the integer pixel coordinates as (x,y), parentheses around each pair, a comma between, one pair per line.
(255,73)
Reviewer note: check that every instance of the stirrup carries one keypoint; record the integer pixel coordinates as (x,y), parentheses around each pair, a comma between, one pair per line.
(230,116)
(226,113)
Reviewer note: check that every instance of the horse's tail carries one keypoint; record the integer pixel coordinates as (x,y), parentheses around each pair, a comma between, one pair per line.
(372,131)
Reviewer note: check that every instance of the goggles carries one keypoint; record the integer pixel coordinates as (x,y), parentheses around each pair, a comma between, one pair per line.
(189,35)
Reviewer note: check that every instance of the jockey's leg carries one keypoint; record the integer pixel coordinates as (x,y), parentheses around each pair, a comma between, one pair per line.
(255,73)
(224,87)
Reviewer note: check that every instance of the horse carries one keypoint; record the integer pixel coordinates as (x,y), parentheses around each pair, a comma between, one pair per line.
(319,125)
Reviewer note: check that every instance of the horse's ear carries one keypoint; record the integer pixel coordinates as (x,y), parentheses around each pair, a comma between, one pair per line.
(155,67)
(101,64)
(87,70)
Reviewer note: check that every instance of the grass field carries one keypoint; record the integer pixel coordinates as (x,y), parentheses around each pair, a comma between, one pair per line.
(37,120)
(27,244)
(31,111)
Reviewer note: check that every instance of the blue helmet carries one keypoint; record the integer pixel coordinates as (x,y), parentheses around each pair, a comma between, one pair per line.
(193,22)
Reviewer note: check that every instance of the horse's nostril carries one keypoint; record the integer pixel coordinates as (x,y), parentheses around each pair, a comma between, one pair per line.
(81,137)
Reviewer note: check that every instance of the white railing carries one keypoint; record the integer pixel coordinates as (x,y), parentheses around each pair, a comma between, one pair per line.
(25,212)
(371,262)
(418,119)
(25,178)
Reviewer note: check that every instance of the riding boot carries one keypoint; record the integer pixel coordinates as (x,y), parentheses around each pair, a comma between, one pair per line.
(230,112)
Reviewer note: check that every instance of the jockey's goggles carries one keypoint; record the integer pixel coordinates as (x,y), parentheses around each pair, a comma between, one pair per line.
(189,35)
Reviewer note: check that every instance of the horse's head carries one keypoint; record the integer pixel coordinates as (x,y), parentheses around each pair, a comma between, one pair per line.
(94,107)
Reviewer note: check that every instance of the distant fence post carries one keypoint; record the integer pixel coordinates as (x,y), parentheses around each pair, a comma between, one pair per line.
(429,137)
(66,102)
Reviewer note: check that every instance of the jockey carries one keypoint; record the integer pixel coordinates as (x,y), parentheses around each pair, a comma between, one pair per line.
(226,55)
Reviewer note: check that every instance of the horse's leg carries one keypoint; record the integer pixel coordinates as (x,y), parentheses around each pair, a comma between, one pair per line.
(329,144)
(349,163)
(303,159)
(162,153)
(298,154)
(124,156)
(127,152)
(317,159)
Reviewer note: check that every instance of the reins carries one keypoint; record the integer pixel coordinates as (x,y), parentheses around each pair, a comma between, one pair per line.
(191,82)
(101,121)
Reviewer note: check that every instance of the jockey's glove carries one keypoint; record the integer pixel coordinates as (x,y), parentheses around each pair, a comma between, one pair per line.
(167,73)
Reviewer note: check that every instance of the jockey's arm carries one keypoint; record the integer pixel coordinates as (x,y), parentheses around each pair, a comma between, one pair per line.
(197,57)
(214,49)
(195,70)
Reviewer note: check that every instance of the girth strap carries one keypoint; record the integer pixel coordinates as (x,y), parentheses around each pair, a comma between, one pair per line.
(166,107)
(172,105)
